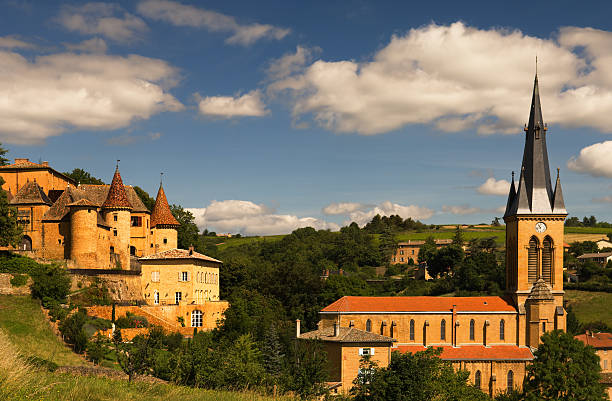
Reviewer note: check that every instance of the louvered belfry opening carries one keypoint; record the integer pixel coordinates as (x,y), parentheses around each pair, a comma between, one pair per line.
(533,260)
(547,260)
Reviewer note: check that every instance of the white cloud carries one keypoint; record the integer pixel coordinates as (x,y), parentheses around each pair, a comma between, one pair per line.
(247,105)
(289,63)
(248,218)
(595,160)
(94,45)
(105,19)
(342,208)
(604,199)
(50,94)
(494,187)
(462,210)
(387,208)
(457,78)
(8,42)
(185,15)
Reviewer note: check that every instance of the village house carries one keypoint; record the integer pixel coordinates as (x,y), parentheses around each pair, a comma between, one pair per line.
(408,251)
(602,342)
(492,337)
(601,258)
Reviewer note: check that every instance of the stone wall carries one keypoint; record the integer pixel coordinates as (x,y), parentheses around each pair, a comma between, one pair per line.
(123,286)
(7,289)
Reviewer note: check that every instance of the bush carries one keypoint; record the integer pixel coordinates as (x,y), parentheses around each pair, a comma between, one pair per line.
(56,310)
(51,282)
(19,280)
(42,363)
(11,263)
(96,350)
(130,321)
(72,329)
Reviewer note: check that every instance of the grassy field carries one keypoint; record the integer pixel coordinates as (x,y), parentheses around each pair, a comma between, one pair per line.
(23,321)
(590,306)
(246,240)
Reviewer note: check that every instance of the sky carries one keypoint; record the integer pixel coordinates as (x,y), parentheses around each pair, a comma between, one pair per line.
(268,116)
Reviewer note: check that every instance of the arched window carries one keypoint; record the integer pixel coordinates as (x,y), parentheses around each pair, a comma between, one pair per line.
(412,330)
(26,243)
(392,329)
(502,330)
(472,326)
(477,379)
(547,260)
(443,330)
(368,325)
(510,380)
(532,260)
(196,318)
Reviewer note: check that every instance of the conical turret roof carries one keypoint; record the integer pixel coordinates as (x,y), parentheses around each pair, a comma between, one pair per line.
(117,198)
(161,214)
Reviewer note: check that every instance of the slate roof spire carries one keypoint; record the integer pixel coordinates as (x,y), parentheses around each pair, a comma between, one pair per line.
(161,214)
(117,198)
(535,194)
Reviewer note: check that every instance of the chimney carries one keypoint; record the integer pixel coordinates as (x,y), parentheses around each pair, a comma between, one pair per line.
(21,160)
(190,250)
(336,329)
(45,164)
(297,328)
(485,330)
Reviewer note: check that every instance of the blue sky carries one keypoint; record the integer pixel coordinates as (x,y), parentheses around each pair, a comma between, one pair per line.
(267,116)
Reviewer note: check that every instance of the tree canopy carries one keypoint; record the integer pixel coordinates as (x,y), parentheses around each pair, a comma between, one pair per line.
(83,177)
(10,230)
(3,160)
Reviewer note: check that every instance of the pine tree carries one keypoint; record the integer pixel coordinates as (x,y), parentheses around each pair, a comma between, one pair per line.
(272,352)
(3,160)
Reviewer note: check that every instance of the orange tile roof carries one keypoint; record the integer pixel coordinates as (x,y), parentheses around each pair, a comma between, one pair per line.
(117,198)
(476,352)
(419,304)
(161,214)
(596,340)
(179,254)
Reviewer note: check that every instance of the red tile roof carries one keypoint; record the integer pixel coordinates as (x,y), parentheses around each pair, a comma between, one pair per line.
(476,352)
(161,214)
(179,254)
(596,340)
(420,304)
(117,198)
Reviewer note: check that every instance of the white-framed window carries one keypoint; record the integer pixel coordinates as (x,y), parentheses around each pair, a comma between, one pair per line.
(196,318)
(177,297)
(183,276)
(156,298)
(155,277)
(366,351)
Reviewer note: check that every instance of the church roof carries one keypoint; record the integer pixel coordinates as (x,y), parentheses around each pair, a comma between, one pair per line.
(540,292)
(596,340)
(161,214)
(476,352)
(354,304)
(31,193)
(535,194)
(346,335)
(117,198)
(175,254)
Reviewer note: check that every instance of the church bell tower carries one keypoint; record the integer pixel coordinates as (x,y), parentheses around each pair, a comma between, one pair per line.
(535,216)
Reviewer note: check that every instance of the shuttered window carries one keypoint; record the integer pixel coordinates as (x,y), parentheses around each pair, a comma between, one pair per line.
(547,260)
(532,260)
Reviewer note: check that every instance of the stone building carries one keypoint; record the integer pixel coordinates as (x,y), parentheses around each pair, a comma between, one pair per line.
(410,250)
(90,226)
(492,337)
(602,342)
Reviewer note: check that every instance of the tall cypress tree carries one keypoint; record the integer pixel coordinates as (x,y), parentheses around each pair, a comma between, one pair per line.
(10,231)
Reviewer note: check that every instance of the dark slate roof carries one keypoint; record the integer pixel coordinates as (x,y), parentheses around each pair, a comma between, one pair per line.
(558,202)
(161,214)
(82,202)
(347,335)
(535,194)
(31,193)
(595,255)
(99,193)
(117,198)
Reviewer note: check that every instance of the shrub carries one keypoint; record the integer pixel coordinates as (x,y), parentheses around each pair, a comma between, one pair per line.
(72,329)
(96,350)
(42,363)
(19,280)
(51,282)
(131,321)
(56,310)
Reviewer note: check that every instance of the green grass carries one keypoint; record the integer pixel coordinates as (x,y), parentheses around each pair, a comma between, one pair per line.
(499,235)
(227,242)
(587,230)
(23,321)
(590,306)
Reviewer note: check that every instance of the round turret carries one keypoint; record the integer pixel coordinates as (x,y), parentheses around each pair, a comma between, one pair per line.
(83,233)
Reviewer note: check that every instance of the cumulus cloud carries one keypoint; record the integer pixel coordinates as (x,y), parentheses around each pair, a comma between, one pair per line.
(94,45)
(462,210)
(105,19)
(249,218)
(54,93)
(342,208)
(185,15)
(595,160)
(289,63)
(247,105)
(8,42)
(494,187)
(457,78)
(388,208)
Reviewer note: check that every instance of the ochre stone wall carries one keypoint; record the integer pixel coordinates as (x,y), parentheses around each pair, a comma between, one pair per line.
(494,374)
(141,237)
(351,360)
(121,287)
(84,235)
(48,180)
(6,288)
(121,241)
(161,234)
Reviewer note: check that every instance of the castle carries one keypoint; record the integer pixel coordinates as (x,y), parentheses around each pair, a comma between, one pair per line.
(90,226)
(492,337)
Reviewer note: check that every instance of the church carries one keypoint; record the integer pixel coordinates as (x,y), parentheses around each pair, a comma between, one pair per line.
(492,337)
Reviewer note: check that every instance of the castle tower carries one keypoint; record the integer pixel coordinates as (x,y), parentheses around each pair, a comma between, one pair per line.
(117,214)
(163,223)
(535,215)
(83,233)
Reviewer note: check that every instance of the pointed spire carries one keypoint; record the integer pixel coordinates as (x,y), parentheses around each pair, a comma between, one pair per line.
(558,202)
(117,198)
(521,201)
(161,216)
(511,197)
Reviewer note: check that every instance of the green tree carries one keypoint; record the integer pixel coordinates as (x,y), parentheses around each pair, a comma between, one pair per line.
(242,364)
(50,283)
(83,177)
(96,350)
(10,230)
(145,198)
(272,353)
(428,250)
(134,358)
(445,260)
(388,245)
(73,332)
(458,239)
(419,376)
(564,369)
(187,232)
(307,371)
(3,160)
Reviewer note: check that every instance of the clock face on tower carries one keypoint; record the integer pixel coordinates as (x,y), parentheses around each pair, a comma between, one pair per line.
(540,227)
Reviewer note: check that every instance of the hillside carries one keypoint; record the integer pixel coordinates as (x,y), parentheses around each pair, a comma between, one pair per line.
(590,306)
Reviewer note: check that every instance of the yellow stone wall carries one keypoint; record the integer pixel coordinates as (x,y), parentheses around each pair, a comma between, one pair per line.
(351,360)
(34,228)
(84,236)
(56,240)
(494,374)
(202,284)
(121,241)
(167,234)
(48,180)
(141,237)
